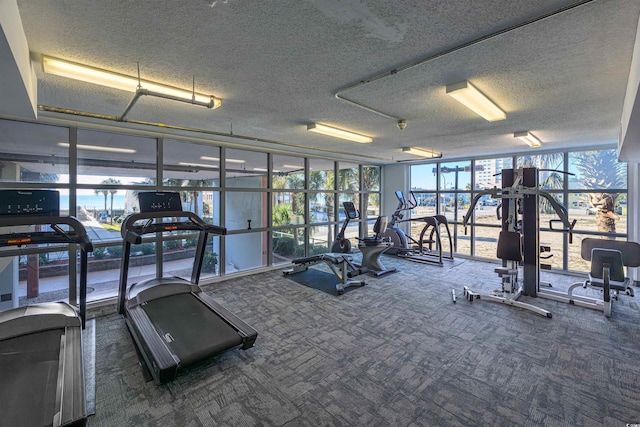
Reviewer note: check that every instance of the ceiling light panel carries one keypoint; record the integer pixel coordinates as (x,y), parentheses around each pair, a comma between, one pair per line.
(469,96)
(422,152)
(338,133)
(528,138)
(119,81)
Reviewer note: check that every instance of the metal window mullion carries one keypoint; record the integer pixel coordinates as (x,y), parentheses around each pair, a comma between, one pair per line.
(223,208)
(73,183)
(307,206)
(270,194)
(159,185)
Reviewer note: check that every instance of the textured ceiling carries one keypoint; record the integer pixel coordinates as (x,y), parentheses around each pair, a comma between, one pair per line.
(558,69)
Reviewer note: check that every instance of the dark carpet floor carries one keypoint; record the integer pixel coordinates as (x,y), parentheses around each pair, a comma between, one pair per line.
(396,352)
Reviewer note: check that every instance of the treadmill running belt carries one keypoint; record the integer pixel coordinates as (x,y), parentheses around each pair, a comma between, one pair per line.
(190,328)
(29,372)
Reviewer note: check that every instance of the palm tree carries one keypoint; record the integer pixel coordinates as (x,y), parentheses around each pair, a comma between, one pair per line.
(193,195)
(105,193)
(549,164)
(370,180)
(112,192)
(600,170)
(319,180)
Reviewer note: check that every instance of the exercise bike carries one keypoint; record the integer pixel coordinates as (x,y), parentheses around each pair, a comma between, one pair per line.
(341,244)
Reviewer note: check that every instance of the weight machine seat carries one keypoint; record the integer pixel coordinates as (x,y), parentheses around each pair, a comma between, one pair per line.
(613,258)
(379,228)
(615,255)
(509,249)
(509,246)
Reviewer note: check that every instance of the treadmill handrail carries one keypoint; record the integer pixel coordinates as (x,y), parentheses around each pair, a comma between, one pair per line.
(77,234)
(133,233)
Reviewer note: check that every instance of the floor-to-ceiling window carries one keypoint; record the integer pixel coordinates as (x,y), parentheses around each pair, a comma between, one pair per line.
(275,207)
(591,184)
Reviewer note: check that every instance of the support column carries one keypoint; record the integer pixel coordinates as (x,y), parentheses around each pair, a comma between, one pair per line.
(531,231)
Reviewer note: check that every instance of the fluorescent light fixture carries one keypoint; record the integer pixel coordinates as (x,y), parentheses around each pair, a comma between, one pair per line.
(467,94)
(338,133)
(422,152)
(265,170)
(99,148)
(115,80)
(216,159)
(197,165)
(528,138)
(293,166)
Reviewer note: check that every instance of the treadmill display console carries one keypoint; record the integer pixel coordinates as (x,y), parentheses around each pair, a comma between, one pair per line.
(29,203)
(155,201)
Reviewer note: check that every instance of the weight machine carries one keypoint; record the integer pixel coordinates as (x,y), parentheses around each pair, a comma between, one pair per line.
(519,240)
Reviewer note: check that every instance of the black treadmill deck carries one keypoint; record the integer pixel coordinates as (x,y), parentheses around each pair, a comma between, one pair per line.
(30,359)
(190,329)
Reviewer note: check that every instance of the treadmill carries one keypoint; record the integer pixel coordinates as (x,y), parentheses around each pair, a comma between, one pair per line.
(41,362)
(173,323)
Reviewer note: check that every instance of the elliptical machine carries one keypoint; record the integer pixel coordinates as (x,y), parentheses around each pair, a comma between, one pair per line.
(421,250)
(398,237)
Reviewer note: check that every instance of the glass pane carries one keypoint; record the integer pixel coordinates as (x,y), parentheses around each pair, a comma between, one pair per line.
(288,244)
(245,210)
(426,204)
(486,239)
(599,212)
(455,176)
(33,152)
(372,202)
(547,163)
(178,256)
(245,251)
(554,242)
(34,278)
(288,172)
(461,243)
(487,172)
(597,170)
(109,158)
(104,269)
(319,239)
(102,211)
(321,207)
(321,174)
(288,208)
(454,205)
(246,169)
(349,197)
(189,164)
(423,177)
(371,178)
(349,176)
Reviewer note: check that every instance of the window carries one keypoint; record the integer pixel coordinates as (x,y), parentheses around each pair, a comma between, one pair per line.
(245,169)
(34,153)
(591,184)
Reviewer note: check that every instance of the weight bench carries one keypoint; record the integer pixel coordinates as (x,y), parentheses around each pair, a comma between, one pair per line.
(608,258)
(340,264)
